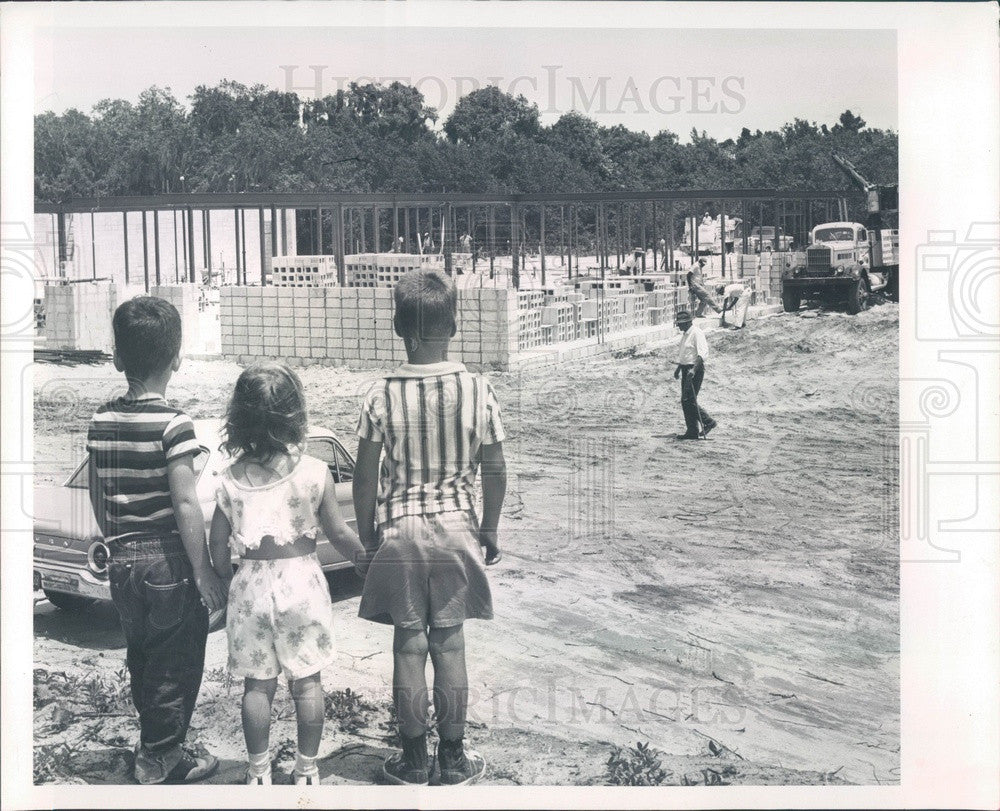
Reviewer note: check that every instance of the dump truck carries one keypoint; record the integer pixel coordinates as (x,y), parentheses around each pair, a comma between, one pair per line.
(846,262)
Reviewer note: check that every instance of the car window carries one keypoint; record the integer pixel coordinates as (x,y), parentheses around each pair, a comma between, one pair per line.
(336,458)
(80,477)
(344,463)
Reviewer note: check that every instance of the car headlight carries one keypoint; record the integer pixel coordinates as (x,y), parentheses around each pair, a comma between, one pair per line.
(97,558)
(840,270)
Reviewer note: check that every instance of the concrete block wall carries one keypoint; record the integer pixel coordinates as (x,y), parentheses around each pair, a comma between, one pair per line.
(303,271)
(78,316)
(185,298)
(353,326)
(385,269)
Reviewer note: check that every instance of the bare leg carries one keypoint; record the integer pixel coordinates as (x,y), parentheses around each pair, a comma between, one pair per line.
(307,693)
(409,683)
(451,680)
(257,697)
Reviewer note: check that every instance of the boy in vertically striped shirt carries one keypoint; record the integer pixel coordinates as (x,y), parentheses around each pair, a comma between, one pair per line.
(438,425)
(142,488)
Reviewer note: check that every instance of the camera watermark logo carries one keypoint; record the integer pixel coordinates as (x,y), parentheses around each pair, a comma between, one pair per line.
(22,266)
(965,275)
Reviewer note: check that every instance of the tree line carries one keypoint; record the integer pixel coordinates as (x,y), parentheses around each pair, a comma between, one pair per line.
(375,138)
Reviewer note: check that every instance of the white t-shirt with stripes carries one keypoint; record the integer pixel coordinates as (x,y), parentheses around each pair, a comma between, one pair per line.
(432,420)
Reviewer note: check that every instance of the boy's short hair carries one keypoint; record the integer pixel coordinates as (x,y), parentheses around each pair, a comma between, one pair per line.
(426,302)
(147,335)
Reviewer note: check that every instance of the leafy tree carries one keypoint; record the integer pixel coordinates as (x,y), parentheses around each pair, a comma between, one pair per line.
(370,137)
(489,113)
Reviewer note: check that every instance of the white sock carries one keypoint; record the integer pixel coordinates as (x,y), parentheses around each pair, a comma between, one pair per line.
(260,764)
(305,764)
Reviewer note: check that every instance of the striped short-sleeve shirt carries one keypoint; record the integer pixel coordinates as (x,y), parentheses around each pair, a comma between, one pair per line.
(130,442)
(432,420)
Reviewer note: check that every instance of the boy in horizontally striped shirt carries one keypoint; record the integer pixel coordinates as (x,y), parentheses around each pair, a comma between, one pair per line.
(142,488)
(437,423)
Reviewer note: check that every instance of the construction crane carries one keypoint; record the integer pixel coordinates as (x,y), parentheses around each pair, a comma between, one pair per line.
(880,198)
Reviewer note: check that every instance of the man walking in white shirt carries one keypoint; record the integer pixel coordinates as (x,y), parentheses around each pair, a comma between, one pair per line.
(691,354)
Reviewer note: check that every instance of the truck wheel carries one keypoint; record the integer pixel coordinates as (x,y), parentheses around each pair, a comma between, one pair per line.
(892,288)
(857,296)
(790,301)
(67,602)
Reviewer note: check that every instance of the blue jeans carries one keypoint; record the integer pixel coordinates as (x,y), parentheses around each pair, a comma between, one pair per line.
(166,625)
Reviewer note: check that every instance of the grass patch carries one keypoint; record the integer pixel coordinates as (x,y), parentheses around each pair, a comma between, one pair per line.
(98,693)
(349,710)
(638,765)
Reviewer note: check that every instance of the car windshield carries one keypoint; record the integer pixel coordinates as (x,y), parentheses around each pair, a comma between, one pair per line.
(79,479)
(834,234)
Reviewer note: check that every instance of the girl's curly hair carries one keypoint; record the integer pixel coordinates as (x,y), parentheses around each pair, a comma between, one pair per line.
(267,412)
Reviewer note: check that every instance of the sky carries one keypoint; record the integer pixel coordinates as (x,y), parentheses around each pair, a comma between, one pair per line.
(650,79)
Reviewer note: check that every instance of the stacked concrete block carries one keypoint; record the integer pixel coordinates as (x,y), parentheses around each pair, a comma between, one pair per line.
(78,316)
(559,316)
(555,295)
(529,299)
(772,264)
(633,310)
(529,328)
(185,298)
(385,269)
(303,271)
(745,264)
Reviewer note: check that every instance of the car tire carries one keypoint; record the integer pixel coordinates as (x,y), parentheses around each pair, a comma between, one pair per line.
(790,301)
(67,602)
(858,296)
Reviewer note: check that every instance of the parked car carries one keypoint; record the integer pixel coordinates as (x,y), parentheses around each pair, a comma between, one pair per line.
(71,558)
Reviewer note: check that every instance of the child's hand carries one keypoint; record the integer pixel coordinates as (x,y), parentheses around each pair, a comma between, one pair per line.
(488,539)
(362,561)
(677,372)
(214,590)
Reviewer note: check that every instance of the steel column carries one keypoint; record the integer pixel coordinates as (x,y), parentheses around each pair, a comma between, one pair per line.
(145,255)
(542,237)
(263,249)
(93,247)
(125,230)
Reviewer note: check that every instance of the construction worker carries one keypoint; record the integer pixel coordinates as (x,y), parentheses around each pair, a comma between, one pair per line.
(690,359)
(735,300)
(698,293)
(632,264)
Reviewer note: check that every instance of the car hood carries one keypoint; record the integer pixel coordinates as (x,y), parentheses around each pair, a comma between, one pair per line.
(64,512)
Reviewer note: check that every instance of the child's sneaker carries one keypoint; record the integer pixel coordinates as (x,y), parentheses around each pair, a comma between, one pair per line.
(409,767)
(311,779)
(258,779)
(459,766)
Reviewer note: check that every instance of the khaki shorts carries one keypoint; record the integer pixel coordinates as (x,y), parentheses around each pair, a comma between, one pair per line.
(280,619)
(428,572)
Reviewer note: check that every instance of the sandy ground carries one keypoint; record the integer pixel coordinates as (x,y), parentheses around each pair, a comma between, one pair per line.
(732,602)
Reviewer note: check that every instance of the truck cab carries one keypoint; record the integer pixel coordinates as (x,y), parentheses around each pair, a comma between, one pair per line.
(838,267)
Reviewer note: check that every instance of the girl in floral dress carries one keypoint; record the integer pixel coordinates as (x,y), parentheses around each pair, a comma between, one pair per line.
(271,504)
